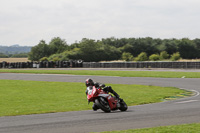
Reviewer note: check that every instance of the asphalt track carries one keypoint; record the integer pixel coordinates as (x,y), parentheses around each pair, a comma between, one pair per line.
(182,111)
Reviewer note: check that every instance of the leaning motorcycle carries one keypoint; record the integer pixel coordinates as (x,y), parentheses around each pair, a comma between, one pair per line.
(105,101)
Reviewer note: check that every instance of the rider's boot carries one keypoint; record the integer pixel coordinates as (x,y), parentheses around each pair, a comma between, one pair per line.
(109,89)
(117,96)
(95,107)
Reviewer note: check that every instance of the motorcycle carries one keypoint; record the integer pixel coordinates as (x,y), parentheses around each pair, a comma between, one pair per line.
(105,101)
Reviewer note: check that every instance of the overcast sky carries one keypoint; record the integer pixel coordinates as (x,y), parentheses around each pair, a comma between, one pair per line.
(26,22)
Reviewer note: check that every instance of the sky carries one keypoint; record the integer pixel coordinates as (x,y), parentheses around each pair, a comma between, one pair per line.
(26,22)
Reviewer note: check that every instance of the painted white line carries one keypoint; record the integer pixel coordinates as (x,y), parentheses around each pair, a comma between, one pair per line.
(197,93)
(189,101)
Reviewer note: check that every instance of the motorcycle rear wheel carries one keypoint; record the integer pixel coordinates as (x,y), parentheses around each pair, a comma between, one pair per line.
(103,104)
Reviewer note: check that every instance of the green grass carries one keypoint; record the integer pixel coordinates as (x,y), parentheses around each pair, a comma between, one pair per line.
(157,74)
(18,97)
(186,128)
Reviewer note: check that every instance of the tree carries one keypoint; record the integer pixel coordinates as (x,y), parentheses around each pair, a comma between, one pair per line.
(127,48)
(112,41)
(170,45)
(57,45)
(139,45)
(39,51)
(197,46)
(113,48)
(108,53)
(187,49)
(89,50)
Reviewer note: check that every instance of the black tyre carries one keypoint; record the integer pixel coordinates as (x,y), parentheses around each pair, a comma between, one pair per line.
(123,106)
(103,104)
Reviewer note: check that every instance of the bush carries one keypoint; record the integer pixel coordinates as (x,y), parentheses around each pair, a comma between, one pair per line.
(164,55)
(176,56)
(127,56)
(142,57)
(154,57)
(56,59)
(44,59)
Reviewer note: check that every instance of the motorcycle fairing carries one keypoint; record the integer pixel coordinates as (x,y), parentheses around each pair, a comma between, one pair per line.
(104,95)
(111,100)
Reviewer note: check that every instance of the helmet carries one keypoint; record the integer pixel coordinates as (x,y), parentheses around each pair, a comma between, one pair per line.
(89,82)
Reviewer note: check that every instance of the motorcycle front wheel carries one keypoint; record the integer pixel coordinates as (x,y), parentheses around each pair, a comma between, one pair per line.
(103,104)
(123,106)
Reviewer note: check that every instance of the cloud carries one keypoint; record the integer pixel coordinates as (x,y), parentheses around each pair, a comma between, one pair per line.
(26,22)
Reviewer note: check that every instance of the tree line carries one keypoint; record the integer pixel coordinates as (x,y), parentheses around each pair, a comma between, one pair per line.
(108,49)
(20,55)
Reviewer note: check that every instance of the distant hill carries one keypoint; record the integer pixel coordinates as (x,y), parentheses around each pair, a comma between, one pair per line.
(14,49)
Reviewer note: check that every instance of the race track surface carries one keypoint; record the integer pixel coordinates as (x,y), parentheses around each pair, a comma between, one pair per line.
(186,110)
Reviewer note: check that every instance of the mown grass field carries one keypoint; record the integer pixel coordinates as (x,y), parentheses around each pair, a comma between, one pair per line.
(14,59)
(185,128)
(156,74)
(18,97)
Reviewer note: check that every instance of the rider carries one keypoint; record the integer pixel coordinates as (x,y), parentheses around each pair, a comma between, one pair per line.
(107,89)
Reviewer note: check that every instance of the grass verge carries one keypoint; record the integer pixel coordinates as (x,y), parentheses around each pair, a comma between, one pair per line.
(156,74)
(18,97)
(185,128)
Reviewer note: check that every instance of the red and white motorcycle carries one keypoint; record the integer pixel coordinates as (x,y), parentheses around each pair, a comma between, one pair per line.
(105,101)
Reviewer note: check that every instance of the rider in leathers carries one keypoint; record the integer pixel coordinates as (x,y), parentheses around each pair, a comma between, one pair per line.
(89,82)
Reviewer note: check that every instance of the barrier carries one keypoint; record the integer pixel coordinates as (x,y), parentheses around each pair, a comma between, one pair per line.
(158,64)
(43,64)
(80,63)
